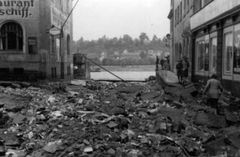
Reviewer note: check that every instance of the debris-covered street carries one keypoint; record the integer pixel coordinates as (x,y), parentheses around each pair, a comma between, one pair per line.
(114,119)
(119,78)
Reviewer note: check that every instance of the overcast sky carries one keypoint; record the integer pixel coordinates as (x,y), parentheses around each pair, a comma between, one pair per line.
(114,18)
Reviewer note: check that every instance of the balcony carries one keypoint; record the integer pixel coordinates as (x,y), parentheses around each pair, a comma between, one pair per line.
(213,10)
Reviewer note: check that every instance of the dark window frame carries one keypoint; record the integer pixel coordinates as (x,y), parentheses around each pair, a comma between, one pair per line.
(202,6)
(11,37)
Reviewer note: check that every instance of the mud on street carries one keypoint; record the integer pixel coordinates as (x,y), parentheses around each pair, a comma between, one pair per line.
(106,119)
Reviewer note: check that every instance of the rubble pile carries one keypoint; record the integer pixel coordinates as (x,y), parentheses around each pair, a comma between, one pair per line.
(114,120)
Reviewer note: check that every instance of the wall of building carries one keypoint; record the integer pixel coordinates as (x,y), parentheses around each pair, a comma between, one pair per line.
(181,35)
(211,11)
(216,44)
(26,14)
(59,11)
(40,52)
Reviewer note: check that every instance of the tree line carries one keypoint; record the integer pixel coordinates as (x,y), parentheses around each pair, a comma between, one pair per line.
(110,46)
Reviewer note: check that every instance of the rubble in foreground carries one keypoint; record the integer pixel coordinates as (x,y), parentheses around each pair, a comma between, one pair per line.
(103,119)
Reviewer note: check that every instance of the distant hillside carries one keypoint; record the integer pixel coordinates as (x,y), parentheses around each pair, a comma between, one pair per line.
(123,50)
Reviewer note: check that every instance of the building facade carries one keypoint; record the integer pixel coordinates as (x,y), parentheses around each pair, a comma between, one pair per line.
(215,27)
(170,17)
(27,49)
(180,13)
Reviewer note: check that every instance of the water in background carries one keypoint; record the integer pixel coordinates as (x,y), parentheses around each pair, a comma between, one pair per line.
(128,73)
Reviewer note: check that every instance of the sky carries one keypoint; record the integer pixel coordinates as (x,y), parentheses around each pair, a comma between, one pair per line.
(93,19)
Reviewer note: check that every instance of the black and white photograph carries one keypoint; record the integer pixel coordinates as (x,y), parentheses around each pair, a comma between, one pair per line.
(119,78)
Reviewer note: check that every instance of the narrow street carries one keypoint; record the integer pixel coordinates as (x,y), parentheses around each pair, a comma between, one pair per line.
(114,120)
(119,78)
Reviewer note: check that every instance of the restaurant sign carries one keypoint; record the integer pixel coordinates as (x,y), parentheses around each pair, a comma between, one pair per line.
(17,9)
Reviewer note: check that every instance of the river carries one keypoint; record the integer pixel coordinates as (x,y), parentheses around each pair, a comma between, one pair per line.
(125,75)
(128,73)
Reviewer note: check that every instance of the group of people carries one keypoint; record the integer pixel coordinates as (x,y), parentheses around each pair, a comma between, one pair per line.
(212,90)
(164,63)
(182,70)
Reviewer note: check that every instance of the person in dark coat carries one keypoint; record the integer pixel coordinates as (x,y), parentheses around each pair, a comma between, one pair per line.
(213,90)
(157,63)
(179,68)
(162,63)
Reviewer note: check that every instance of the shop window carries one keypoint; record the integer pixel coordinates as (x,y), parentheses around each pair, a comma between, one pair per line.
(213,55)
(236,57)
(206,56)
(228,51)
(202,55)
(11,36)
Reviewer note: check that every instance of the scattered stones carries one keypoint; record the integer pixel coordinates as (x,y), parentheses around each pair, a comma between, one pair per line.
(15,153)
(88,150)
(210,120)
(112,125)
(114,119)
(52,147)
(111,151)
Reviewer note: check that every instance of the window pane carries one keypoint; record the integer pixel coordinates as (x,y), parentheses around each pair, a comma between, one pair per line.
(20,43)
(228,43)
(12,40)
(197,5)
(11,37)
(200,55)
(236,59)
(206,56)
(213,52)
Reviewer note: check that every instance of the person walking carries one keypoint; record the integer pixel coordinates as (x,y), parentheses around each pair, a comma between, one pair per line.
(166,65)
(179,68)
(213,90)
(162,63)
(157,63)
